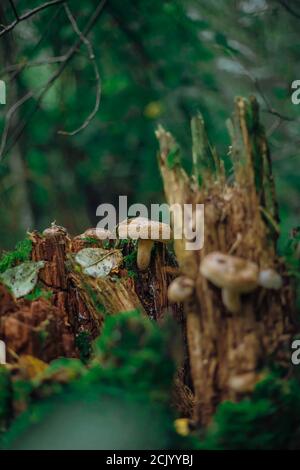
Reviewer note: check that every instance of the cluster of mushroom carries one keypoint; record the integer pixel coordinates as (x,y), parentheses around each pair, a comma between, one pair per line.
(235,276)
(146,232)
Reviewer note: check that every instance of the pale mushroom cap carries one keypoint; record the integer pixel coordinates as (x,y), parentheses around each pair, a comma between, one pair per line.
(143,228)
(230,272)
(54,230)
(100,233)
(181,289)
(270,279)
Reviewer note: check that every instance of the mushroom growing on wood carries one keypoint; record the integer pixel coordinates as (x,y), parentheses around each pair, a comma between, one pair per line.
(181,289)
(99,233)
(235,276)
(146,232)
(54,230)
(270,279)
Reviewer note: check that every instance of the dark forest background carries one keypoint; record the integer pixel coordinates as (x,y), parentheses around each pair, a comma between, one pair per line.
(158,62)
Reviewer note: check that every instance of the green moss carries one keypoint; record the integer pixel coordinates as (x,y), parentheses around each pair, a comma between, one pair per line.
(132,370)
(135,353)
(21,391)
(91,240)
(21,253)
(106,244)
(95,299)
(130,261)
(173,157)
(83,343)
(132,274)
(270,419)
(5,397)
(123,242)
(39,293)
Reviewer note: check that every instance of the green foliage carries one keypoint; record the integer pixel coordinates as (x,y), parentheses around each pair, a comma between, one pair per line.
(270,419)
(130,263)
(291,253)
(39,293)
(173,157)
(5,398)
(134,352)
(91,240)
(20,254)
(161,62)
(129,376)
(83,343)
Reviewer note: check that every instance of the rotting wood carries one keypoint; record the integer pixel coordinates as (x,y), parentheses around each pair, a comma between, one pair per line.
(242,219)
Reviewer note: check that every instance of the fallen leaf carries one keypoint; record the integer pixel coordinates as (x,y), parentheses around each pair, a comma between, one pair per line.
(22,278)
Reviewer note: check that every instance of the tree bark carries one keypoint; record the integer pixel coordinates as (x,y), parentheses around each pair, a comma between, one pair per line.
(228,351)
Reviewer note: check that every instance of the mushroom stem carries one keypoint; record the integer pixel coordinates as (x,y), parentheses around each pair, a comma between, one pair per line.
(231,300)
(2,353)
(144,253)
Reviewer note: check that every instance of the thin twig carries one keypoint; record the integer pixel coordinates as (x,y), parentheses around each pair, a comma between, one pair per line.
(96,72)
(34,63)
(14,10)
(289,9)
(68,56)
(28,14)
(269,109)
(8,117)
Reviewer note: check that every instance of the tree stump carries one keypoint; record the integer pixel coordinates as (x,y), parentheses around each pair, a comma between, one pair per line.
(228,351)
(48,328)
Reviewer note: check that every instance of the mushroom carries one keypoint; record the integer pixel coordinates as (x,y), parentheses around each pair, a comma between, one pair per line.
(100,233)
(146,232)
(270,279)
(181,289)
(246,382)
(235,276)
(2,352)
(54,230)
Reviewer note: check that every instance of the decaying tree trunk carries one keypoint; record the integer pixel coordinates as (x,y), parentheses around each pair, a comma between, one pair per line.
(49,328)
(227,351)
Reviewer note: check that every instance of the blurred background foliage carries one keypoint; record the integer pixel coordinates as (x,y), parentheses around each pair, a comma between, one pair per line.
(159,62)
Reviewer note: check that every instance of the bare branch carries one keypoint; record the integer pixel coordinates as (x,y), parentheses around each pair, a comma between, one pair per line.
(269,109)
(288,8)
(35,63)
(68,56)
(96,71)
(28,14)
(14,9)
(8,117)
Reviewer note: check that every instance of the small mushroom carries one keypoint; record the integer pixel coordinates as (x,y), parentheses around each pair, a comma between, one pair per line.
(2,352)
(100,233)
(270,279)
(181,289)
(54,230)
(146,232)
(246,382)
(235,276)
